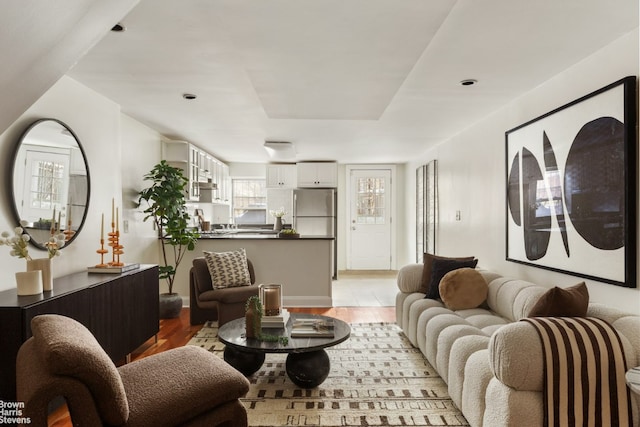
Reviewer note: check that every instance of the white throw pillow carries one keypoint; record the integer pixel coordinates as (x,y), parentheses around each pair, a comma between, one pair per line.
(228,269)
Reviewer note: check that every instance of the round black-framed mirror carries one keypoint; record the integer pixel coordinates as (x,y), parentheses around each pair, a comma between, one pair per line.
(50,182)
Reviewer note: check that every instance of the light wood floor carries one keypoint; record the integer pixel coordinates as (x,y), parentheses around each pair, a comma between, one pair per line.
(177,333)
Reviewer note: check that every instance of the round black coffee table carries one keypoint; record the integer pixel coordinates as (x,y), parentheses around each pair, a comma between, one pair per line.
(307,363)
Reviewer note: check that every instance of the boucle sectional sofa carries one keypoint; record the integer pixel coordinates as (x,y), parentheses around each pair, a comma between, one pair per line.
(491,361)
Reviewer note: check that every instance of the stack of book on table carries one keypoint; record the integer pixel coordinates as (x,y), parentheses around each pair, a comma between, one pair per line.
(279,321)
(312,328)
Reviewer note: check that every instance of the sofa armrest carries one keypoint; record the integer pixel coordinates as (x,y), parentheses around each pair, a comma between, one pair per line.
(516,357)
(409,278)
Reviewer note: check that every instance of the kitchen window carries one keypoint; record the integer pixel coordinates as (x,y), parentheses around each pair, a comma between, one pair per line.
(249,201)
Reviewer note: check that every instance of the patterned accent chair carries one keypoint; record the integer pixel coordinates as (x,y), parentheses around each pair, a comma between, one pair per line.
(223,305)
(178,387)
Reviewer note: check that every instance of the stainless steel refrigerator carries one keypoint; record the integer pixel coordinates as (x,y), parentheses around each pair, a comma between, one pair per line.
(314,214)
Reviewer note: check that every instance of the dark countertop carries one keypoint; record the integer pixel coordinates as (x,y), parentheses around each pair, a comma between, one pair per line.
(258,236)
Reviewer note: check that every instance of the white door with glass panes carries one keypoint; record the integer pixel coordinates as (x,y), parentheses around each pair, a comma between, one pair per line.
(45,185)
(370,219)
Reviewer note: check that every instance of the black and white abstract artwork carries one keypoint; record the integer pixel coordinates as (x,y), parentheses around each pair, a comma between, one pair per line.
(571,187)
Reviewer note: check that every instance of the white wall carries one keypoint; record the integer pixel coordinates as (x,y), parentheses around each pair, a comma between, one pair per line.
(471,175)
(119,151)
(141,150)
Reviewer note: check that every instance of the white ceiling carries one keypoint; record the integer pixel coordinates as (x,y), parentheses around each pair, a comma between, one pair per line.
(358,81)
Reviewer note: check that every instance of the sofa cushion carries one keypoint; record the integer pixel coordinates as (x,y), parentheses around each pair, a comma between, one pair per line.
(427,266)
(463,288)
(409,278)
(228,269)
(69,349)
(439,268)
(202,382)
(558,302)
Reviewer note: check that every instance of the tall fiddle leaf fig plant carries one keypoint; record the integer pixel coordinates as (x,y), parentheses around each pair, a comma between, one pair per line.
(167,210)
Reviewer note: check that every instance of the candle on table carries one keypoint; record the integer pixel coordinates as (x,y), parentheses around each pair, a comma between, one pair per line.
(59,218)
(117,219)
(102,228)
(113,203)
(272,300)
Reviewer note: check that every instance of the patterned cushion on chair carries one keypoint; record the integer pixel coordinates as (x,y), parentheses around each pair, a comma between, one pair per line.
(228,269)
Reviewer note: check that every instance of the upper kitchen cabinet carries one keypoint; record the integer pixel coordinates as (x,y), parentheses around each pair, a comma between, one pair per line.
(317,174)
(281,176)
(198,167)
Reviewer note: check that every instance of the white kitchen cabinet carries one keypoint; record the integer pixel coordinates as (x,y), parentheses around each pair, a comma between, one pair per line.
(179,154)
(281,176)
(198,166)
(317,174)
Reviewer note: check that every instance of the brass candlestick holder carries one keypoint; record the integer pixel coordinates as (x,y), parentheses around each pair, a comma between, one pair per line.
(116,247)
(68,233)
(102,251)
(113,241)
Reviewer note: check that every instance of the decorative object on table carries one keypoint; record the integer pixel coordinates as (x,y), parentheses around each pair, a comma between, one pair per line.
(29,284)
(276,322)
(571,187)
(18,242)
(253,322)
(253,317)
(278,214)
(271,298)
(166,200)
(114,269)
(289,233)
(44,266)
(53,245)
(114,237)
(102,250)
(312,328)
(115,265)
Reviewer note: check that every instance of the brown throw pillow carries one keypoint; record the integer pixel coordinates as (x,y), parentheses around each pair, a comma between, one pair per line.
(463,289)
(439,268)
(563,302)
(426,271)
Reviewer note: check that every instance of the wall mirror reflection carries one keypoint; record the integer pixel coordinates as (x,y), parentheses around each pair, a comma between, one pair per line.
(50,182)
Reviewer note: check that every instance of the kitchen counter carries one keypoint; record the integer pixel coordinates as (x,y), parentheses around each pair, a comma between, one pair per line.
(302,265)
(260,236)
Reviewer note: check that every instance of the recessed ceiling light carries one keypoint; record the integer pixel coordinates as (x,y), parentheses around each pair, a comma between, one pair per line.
(118,28)
(468,82)
(189,96)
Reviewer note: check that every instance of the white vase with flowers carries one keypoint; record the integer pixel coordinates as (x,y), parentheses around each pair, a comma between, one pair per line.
(30,282)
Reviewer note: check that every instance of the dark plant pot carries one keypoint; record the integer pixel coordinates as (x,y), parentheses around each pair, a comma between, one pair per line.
(170,306)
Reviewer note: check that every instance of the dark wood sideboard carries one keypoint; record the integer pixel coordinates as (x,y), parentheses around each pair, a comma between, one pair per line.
(121,310)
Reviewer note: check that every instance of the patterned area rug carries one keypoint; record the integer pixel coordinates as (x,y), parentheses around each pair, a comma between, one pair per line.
(377,379)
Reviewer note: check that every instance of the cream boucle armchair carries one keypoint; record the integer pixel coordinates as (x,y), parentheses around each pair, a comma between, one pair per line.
(183,386)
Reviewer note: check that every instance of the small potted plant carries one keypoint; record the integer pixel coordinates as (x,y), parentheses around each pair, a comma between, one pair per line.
(253,322)
(166,200)
(289,233)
